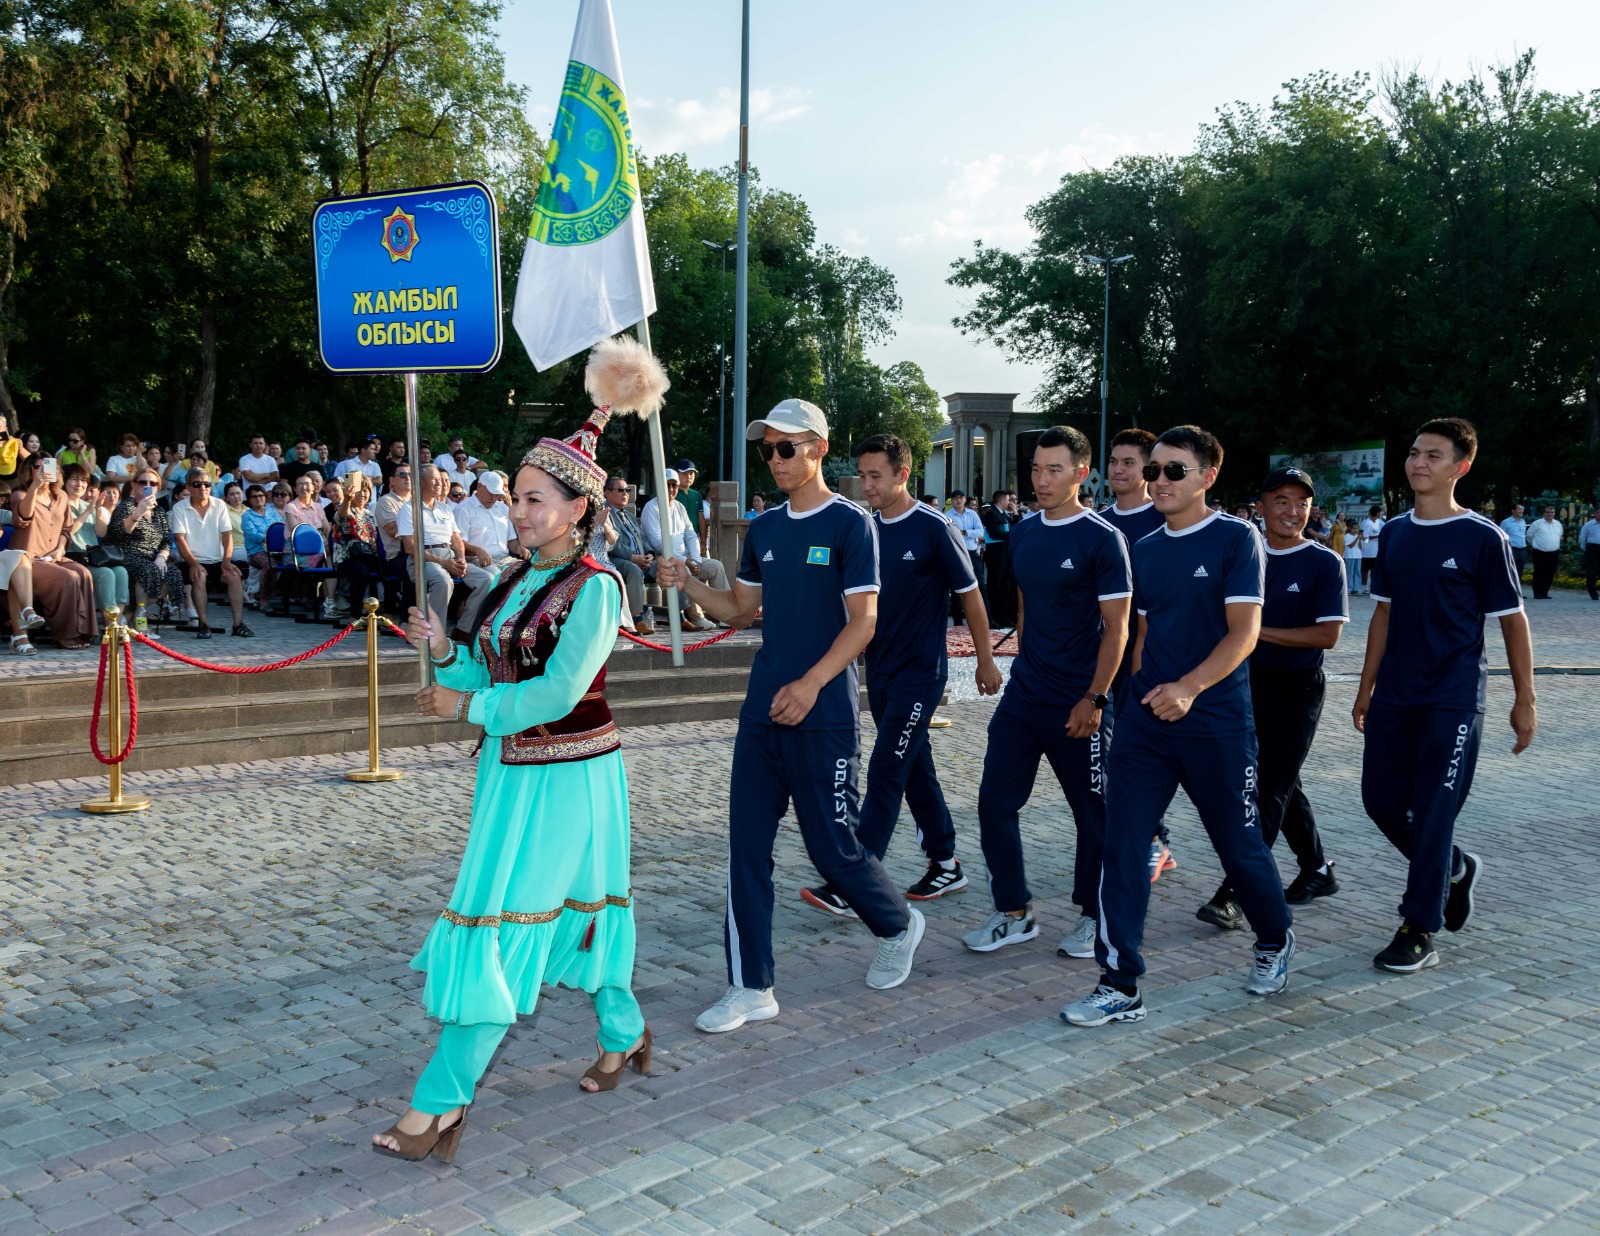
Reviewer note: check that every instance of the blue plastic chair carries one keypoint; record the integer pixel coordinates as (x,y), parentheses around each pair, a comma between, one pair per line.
(306,542)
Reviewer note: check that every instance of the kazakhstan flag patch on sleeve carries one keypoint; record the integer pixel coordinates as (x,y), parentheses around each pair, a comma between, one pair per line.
(817,555)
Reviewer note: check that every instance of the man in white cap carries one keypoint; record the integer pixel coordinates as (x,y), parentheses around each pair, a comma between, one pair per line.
(685,544)
(811,567)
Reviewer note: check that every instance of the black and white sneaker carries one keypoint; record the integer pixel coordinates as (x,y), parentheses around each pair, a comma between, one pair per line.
(1458,905)
(1222,911)
(827,899)
(936,882)
(1410,950)
(1309,885)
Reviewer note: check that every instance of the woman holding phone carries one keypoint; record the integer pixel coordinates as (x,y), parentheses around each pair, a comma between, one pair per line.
(139,528)
(62,590)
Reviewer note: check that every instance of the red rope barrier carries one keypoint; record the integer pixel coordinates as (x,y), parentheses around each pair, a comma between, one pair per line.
(705,643)
(99,695)
(243,669)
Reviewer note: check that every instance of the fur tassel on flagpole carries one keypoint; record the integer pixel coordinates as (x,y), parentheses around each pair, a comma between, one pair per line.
(623,375)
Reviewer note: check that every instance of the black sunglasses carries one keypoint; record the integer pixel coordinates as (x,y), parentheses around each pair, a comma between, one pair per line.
(783,450)
(1172,471)
(199,484)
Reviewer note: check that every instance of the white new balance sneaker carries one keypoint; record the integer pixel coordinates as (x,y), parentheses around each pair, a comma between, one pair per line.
(739,1005)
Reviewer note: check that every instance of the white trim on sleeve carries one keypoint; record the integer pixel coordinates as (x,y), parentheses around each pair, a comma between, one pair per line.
(961,592)
(1115,596)
(1334,618)
(1144,613)
(1505,613)
(1241,600)
(1385,600)
(748,583)
(864,588)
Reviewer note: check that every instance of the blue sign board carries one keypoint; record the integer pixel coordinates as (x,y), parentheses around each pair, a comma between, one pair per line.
(408,281)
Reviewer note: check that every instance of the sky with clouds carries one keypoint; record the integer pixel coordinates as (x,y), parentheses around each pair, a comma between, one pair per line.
(914,129)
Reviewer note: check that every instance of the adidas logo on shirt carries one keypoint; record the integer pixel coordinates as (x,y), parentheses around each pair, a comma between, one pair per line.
(1294,587)
(1201,573)
(1068,565)
(910,557)
(767,557)
(1449,562)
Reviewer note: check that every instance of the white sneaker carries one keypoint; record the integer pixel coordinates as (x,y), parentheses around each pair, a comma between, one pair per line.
(891,966)
(739,1005)
(1079,942)
(1001,929)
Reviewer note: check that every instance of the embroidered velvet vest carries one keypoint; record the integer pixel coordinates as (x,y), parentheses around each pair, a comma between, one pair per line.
(585,732)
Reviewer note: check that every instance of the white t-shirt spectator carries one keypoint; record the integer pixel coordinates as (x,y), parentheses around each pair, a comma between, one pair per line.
(1370,528)
(487,527)
(438,526)
(388,512)
(261,465)
(370,469)
(122,468)
(1545,535)
(685,540)
(204,532)
(463,478)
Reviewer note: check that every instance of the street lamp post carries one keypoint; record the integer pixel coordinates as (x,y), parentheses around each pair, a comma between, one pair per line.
(724,247)
(1105,362)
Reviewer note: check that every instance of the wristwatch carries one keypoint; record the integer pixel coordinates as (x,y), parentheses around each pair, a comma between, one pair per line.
(1100,700)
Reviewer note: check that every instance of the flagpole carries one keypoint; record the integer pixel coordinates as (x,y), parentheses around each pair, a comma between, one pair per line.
(741,286)
(658,457)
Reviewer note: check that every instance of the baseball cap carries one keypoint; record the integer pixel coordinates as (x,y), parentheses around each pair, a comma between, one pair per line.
(1279,477)
(790,416)
(491,481)
(685,465)
(672,475)
(958,493)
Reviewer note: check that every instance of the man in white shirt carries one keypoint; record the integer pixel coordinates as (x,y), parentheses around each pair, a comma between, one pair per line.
(202,529)
(1371,527)
(1589,547)
(686,545)
(258,467)
(459,465)
(443,550)
(365,462)
(388,509)
(484,520)
(1544,543)
(970,525)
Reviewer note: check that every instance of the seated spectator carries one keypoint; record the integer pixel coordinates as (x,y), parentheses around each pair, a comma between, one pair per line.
(233,499)
(293,469)
(12,451)
(758,506)
(30,443)
(364,461)
(139,528)
(16,581)
(384,511)
(355,545)
(444,553)
(484,521)
(63,590)
(332,496)
(457,494)
(460,468)
(625,550)
(256,468)
(77,451)
(395,458)
(91,515)
(202,529)
(121,466)
(306,508)
(259,515)
(686,545)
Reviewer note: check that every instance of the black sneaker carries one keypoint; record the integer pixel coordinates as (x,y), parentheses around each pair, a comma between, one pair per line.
(1222,911)
(936,882)
(1458,901)
(1309,885)
(826,898)
(1410,950)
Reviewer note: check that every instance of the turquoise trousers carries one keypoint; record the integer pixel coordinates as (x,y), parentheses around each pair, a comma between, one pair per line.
(464,1052)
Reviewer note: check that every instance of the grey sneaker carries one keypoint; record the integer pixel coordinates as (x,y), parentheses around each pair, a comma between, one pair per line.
(891,966)
(1079,942)
(1269,973)
(1103,1004)
(741,1004)
(999,930)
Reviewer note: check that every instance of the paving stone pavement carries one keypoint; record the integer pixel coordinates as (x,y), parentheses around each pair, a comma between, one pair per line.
(205,1011)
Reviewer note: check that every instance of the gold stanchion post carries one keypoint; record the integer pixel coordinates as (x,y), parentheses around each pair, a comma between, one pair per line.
(115,802)
(372,772)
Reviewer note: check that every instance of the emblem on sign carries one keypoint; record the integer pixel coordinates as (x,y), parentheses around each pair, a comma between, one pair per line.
(590,181)
(400,235)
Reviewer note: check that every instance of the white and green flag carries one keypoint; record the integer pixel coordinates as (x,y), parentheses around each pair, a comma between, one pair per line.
(586,271)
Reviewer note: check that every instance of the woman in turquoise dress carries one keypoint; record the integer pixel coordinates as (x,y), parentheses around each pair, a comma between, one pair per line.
(543,894)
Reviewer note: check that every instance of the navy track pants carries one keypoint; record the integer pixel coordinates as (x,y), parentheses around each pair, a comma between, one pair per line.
(901,767)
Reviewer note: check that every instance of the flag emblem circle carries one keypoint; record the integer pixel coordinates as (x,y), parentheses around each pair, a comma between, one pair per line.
(590,180)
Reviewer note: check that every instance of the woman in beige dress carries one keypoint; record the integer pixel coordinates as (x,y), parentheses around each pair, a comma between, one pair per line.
(63,590)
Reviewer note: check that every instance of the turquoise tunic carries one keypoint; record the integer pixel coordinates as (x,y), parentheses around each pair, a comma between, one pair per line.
(544,883)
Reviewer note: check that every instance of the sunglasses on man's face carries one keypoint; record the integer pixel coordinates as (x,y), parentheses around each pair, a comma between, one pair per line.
(199,484)
(783,450)
(1172,471)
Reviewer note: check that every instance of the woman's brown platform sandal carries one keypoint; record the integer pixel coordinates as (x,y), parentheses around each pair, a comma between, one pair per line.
(440,1143)
(639,1057)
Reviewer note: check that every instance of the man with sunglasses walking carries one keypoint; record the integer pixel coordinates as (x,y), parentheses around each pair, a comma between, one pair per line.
(1198,587)
(811,567)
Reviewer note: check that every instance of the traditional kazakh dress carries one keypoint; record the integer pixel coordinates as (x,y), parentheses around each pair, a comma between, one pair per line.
(543,895)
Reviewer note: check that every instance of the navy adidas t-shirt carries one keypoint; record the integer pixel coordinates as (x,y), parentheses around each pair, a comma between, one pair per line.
(921,561)
(805,564)
(1064,568)
(1182,585)
(1134,525)
(1305,586)
(1441,578)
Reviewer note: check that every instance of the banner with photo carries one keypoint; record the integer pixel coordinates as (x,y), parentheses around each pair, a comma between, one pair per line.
(1346,477)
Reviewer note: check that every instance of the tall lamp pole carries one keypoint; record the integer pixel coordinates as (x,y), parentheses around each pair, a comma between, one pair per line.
(1105,362)
(722,357)
(741,290)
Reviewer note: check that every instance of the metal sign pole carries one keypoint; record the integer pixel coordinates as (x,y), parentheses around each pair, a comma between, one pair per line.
(419,569)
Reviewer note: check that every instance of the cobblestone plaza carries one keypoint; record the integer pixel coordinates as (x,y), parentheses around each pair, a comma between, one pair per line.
(205,1011)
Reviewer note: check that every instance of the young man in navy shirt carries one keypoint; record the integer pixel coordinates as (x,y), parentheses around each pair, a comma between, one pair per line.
(921,561)
(1073,584)
(1135,516)
(811,566)
(1302,614)
(1441,570)
(1186,722)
